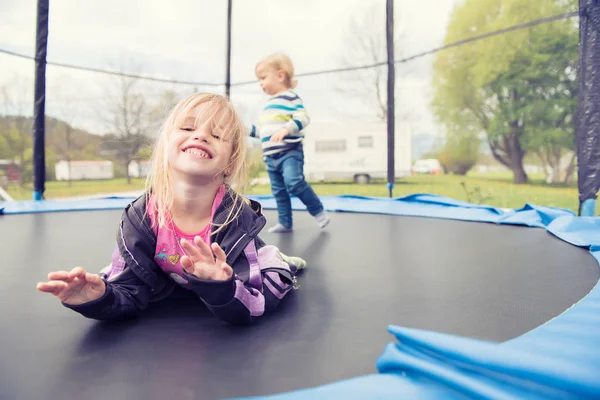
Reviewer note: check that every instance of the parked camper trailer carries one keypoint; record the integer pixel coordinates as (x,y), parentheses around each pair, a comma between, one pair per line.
(82,170)
(354,151)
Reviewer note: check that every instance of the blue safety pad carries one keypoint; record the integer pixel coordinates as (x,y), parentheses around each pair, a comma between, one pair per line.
(372,387)
(432,206)
(418,205)
(30,206)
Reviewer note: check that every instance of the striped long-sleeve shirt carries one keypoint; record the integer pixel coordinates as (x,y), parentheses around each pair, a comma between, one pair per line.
(284,110)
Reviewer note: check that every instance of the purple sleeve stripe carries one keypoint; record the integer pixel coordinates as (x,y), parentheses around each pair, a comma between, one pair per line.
(274,290)
(275,277)
(116,266)
(252,299)
(252,256)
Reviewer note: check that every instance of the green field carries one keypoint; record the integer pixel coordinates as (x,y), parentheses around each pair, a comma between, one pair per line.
(492,189)
(57,190)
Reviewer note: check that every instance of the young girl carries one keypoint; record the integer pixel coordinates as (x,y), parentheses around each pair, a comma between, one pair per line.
(280,131)
(190,230)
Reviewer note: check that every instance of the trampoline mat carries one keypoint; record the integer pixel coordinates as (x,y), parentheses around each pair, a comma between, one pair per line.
(364,273)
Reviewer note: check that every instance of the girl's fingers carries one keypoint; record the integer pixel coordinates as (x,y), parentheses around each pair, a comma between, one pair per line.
(58,276)
(187,264)
(200,260)
(192,251)
(219,253)
(203,247)
(77,272)
(54,287)
(227,270)
(94,279)
(43,287)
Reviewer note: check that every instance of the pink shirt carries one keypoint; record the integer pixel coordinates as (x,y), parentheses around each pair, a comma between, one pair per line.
(168,250)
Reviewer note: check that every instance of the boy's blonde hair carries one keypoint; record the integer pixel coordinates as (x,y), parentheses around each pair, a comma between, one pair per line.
(280,61)
(218,112)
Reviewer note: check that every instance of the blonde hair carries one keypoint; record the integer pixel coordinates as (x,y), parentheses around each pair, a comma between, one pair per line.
(219,113)
(280,61)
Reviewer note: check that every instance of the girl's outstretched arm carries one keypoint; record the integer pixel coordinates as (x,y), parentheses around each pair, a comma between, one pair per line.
(115,293)
(75,287)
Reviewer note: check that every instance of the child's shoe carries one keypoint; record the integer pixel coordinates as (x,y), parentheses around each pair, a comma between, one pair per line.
(322,219)
(279,229)
(294,261)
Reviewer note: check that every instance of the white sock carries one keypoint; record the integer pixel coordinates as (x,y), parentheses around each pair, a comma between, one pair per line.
(279,229)
(323,219)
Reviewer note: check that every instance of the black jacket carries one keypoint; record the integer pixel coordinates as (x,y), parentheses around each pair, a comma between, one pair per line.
(238,300)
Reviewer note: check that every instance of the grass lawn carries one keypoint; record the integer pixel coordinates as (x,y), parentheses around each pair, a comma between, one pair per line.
(57,190)
(493,189)
(497,191)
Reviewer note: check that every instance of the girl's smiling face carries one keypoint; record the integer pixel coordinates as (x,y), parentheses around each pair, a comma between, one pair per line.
(197,147)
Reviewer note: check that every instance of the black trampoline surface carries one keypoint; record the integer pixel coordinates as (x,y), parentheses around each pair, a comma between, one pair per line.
(364,273)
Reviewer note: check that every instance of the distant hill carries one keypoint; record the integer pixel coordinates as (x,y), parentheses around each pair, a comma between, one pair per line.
(62,140)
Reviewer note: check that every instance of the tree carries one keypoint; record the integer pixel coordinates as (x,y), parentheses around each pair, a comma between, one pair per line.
(65,147)
(460,153)
(15,98)
(27,170)
(551,109)
(158,113)
(366,45)
(501,86)
(4,148)
(130,120)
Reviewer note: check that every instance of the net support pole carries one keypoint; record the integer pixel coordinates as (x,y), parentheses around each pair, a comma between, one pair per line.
(39,101)
(228,56)
(390,96)
(588,123)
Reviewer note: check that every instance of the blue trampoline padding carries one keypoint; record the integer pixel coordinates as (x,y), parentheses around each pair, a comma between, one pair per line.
(560,359)
(426,205)
(479,369)
(418,205)
(27,207)
(372,387)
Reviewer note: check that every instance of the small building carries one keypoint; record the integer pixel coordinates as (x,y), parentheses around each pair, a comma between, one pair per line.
(83,170)
(11,171)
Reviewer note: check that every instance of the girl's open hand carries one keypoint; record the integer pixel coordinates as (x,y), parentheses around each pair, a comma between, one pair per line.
(201,263)
(75,287)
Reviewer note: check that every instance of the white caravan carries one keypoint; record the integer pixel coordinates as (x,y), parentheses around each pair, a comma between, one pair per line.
(355,151)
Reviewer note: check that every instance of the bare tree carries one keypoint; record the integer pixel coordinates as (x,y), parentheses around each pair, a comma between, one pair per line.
(70,110)
(129,118)
(366,45)
(158,113)
(167,100)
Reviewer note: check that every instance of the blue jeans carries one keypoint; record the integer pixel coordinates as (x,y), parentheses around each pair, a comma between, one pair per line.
(286,172)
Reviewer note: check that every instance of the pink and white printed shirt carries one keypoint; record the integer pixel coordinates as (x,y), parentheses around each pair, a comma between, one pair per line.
(168,249)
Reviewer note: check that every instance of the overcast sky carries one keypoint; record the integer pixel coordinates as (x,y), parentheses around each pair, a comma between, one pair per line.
(185,40)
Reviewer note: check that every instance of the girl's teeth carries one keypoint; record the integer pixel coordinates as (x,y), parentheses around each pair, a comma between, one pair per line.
(197,152)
